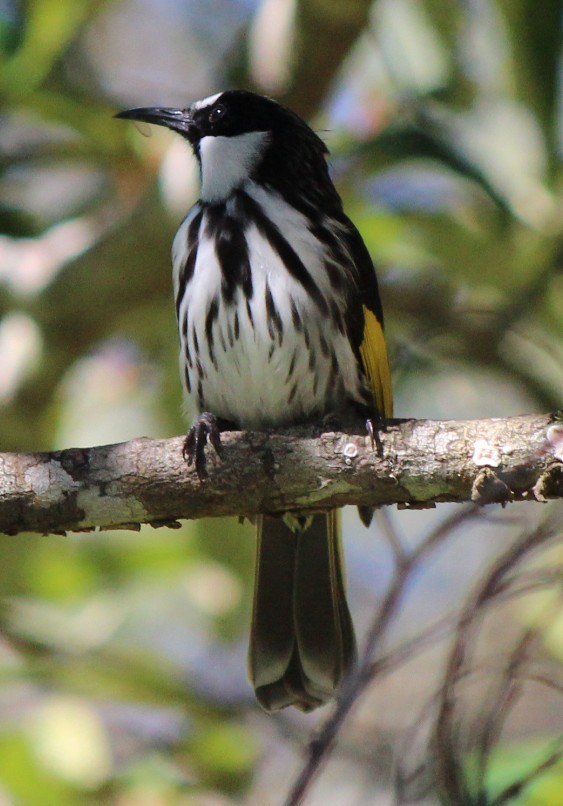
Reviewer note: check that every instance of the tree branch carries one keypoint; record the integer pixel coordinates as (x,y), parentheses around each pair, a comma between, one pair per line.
(414,463)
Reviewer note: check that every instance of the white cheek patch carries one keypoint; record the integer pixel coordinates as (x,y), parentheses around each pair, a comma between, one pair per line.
(227,162)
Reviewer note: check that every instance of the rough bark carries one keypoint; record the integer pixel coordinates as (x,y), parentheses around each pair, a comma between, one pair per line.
(414,463)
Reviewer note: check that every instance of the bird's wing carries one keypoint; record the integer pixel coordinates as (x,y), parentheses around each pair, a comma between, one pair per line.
(367,333)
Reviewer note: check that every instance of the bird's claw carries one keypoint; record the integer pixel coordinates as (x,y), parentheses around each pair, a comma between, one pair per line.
(373,427)
(205,428)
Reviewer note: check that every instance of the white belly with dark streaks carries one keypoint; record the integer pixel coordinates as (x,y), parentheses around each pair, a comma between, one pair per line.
(253,373)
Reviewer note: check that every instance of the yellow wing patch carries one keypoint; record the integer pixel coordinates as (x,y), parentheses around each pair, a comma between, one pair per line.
(373,352)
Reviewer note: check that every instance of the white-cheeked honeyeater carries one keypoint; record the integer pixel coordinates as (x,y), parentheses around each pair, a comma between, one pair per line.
(280,323)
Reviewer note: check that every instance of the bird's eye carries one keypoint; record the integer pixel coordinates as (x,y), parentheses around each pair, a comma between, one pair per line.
(219,111)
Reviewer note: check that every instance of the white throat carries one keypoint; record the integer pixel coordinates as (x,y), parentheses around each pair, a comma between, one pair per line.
(226,162)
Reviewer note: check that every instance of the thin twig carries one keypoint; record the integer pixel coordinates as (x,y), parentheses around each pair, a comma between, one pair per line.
(446,739)
(362,676)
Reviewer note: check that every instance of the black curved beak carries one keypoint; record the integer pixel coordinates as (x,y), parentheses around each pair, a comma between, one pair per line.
(176,119)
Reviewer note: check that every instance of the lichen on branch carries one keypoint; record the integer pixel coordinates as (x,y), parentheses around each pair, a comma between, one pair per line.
(412,463)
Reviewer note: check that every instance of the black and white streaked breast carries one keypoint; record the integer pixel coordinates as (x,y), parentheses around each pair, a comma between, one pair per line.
(261,313)
(260,296)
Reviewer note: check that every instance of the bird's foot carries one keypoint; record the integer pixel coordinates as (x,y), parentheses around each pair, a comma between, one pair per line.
(205,428)
(374,425)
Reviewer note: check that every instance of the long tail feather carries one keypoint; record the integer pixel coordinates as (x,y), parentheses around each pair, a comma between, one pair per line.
(302,638)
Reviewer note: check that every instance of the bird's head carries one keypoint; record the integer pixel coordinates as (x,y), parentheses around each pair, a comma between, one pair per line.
(239,136)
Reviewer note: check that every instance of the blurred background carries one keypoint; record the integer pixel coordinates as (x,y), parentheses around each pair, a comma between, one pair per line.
(122,655)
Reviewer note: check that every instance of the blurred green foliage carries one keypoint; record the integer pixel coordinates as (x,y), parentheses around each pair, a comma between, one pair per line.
(122,656)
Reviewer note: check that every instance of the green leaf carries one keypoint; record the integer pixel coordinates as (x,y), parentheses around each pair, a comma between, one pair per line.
(27,780)
(49,27)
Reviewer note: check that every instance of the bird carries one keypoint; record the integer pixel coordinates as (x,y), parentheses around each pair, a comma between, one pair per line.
(280,323)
